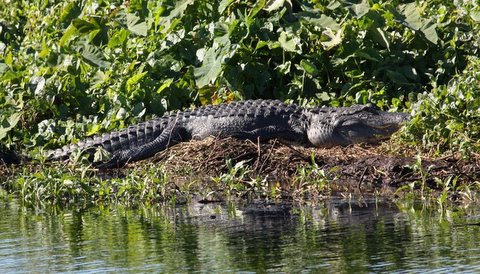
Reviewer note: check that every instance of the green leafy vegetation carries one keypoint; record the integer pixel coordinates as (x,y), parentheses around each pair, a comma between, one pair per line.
(76,68)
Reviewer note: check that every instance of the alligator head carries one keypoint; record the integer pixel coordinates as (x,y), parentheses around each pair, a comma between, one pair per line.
(351,125)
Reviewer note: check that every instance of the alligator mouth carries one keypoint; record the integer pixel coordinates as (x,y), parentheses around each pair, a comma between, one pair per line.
(377,128)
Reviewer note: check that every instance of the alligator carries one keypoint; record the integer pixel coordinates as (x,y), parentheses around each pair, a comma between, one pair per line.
(253,119)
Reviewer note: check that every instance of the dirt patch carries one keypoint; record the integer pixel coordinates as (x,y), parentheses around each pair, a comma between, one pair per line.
(358,168)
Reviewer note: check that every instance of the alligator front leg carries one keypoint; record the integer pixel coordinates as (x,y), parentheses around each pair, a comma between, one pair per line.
(273,132)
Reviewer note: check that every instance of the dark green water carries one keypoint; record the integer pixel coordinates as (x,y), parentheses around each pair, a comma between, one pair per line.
(337,236)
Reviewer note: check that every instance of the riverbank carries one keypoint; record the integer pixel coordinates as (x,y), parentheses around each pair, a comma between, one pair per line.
(215,170)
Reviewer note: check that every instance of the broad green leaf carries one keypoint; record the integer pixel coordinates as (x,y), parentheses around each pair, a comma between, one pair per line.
(323,21)
(178,11)
(224,5)
(369,54)
(361,9)
(132,81)
(165,85)
(67,35)
(95,129)
(272,5)
(261,44)
(210,69)
(118,39)
(135,25)
(3,67)
(475,14)
(258,7)
(83,26)
(309,67)
(430,32)
(95,55)
(412,16)
(333,39)
(9,123)
(99,78)
(380,37)
(36,85)
(396,77)
(70,11)
(101,155)
(287,44)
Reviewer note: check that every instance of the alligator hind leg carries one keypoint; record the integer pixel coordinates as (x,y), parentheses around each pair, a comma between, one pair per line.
(169,137)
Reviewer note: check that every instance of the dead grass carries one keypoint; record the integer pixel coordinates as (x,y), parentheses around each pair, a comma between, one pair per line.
(359,168)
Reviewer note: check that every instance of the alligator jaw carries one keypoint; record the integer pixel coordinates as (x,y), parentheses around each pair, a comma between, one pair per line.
(357,124)
(371,127)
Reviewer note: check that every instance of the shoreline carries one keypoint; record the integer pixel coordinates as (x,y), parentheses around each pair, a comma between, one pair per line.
(214,169)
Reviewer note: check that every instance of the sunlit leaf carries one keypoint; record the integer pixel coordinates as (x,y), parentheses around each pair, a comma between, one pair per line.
(256,8)
(132,81)
(95,55)
(333,39)
(272,5)
(9,123)
(210,69)
(83,26)
(135,25)
(359,10)
(36,85)
(475,14)
(412,15)
(322,21)
(224,5)
(180,7)
(309,67)
(286,43)
(67,35)
(430,32)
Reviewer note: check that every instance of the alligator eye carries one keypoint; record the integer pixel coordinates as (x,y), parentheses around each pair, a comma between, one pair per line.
(371,108)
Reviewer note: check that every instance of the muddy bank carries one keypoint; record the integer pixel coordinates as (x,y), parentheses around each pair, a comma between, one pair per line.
(219,170)
(316,171)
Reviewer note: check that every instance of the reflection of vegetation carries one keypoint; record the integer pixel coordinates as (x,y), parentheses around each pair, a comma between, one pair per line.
(75,68)
(341,238)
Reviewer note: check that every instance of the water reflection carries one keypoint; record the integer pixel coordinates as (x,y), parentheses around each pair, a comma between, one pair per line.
(338,236)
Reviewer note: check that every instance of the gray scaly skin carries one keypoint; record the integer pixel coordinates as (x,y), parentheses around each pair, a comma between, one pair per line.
(253,119)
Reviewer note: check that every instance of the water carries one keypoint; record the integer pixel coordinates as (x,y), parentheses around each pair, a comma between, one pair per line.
(335,237)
